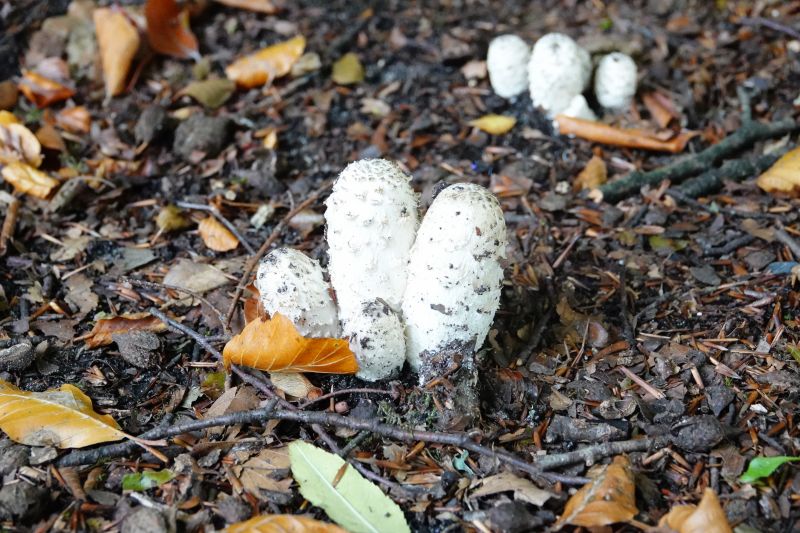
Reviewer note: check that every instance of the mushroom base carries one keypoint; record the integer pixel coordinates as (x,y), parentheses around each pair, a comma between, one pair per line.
(450,377)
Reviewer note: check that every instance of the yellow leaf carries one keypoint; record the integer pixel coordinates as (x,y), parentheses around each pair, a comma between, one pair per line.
(118,41)
(494,124)
(707,517)
(348,70)
(216,236)
(276,345)
(267,64)
(63,418)
(784,175)
(283,523)
(171,218)
(593,175)
(260,6)
(19,144)
(105,328)
(29,180)
(7,117)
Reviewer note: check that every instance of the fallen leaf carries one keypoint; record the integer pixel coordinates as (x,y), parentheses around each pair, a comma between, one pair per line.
(19,144)
(74,119)
(259,6)
(29,180)
(210,93)
(348,70)
(660,107)
(523,489)
(168,29)
(761,467)
(142,481)
(707,517)
(43,91)
(784,175)
(275,345)
(268,471)
(592,176)
(105,328)
(49,137)
(267,64)
(608,499)
(171,218)
(7,117)
(216,236)
(196,277)
(235,399)
(294,384)
(283,523)
(628,138)
(118,41)
(494,124)
(8,94)
(62,417)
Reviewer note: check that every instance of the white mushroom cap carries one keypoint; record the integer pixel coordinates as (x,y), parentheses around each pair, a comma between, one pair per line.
(615,81)
(371,223)
(507,63)
(578,108)
(377,340)
(558,70)
(291,283)
(455,275)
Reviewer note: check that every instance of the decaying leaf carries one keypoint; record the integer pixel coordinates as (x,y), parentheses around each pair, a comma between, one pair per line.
(348,70)
(19,144)
(105,328)
(706,517)
(62,417)
(593,175)
(216,236)
(294,384)
(523,489)
(494,124)
(171,218)
(259,6)
(118,41)
(608,499)
(267,64)
(275,345)
(74,119)
(784,175)
(283,523)
(211,93)
(50,138)
(8,94)
(43,91)
(660,107)
(168,29)
(628,138)
(29,180)
(268,471)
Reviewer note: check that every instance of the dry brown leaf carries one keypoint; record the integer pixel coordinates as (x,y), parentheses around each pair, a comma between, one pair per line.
(295,384)
(252,305)
(105,328)
(494,124)
(268,471)
(49,137)
(259,6)
(74,119)
(707,517)
(608,499)
(63,418)
(118,41)
(660,107)
(8,94)
(784,175)
(168,29)
(216,236)
(593,175)
(283,523)
(628,138)
(29,180)
(43,91)
(19,144)
(267,64)
(275,345)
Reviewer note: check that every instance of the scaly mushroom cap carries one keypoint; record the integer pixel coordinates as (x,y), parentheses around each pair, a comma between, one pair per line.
(615,81)
(455,275)
(377,339)
(371,222)
(559,69)
(507,63)
(291,283)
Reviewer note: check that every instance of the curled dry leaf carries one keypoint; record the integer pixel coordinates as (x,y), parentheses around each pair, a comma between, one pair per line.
(216,236)
(628,138)
(19,144)
(275,345)
(74,119)
(284,523)
(43,91)
(593,175)
(105,328)
(168,29)
(259,6)
(29,180)
(267,64)
(784,175)
(707,517)
(608,499)
(63,418)
(494,124)
(118,41)
(660,107)
(252,308)
(295,384)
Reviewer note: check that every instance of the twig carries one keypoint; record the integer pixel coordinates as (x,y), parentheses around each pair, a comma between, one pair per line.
(9,224)
(627,325)
(251,265)
(785,238)
(729,247)
(771,24)
(734,170)
(225,222)
(342,392)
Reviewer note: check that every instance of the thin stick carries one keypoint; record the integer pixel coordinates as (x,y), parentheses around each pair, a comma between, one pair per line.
(9,224)
(225,222)
(771,24)
(343,392)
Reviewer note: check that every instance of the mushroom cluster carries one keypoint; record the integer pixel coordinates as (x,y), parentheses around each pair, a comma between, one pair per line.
(404,291)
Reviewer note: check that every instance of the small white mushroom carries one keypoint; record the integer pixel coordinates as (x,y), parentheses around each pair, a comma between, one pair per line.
(507,63)
(559,69)
(615,81)
(454,276)
(291,283)
(371,222)
(579,108)
(377,339)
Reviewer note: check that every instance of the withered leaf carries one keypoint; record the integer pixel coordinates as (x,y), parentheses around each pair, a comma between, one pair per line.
(784,175)
(628,138)
(706,517)
(74,119)
(592,176)
(348,70)
(494,124)
(118,40)
(267,64)
(43,91)
(216,236)
(105,328)
(29,180)
(19,144)
(284,523)
(168,29)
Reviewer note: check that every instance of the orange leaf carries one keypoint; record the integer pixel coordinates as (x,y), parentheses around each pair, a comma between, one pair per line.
(252,305)
(106,327)
(168,29)
(593,175)
(19,144)
(276,345)
(707,517)
(259,6)
(118,41)
(216,236)
(607,499)
(29,180)
(43,91)
(628,138)
(50,138)
(267,64)
(74,119)
(283,523)
(660,108)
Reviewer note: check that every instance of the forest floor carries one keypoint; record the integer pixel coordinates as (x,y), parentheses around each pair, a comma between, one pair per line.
(662,327)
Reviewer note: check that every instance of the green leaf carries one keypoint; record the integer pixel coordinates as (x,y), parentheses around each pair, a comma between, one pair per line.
(146,480)
(761,467)
(353,502)
(348,70)
(211,93)
(794,351)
